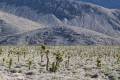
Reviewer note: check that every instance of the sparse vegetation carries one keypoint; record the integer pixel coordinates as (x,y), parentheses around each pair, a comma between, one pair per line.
(88,61)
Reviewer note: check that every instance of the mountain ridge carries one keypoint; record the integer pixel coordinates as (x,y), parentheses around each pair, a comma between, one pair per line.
(65,22)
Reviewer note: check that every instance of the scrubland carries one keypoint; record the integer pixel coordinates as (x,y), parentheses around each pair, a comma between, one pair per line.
(59,62)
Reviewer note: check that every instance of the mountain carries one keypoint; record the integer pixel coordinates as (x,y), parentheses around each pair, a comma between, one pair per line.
(58,22)
(14,24)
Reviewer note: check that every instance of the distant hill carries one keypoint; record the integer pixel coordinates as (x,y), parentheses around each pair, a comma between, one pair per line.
(58,22)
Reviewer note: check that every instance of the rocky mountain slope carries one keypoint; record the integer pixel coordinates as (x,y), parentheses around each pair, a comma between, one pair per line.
(58,22)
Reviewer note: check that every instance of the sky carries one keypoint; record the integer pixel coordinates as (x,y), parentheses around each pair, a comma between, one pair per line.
(106,3)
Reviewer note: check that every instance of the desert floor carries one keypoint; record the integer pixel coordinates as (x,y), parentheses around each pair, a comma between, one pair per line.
(59,62)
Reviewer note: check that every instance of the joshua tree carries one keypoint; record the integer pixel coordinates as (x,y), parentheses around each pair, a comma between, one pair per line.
(54,67)
(68,61)
(29,64)
(59,58)
(10,52)
(18,56)
(3,60)
(47,63)
(56,64)
(98,63)
(10,63)
(43,48)
(24,51)
(118,58)
(1,51)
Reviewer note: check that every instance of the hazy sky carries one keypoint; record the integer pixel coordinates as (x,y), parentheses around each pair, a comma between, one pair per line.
(106,3)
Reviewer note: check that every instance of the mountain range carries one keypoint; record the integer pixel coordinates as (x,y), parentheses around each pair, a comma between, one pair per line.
(58,22)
